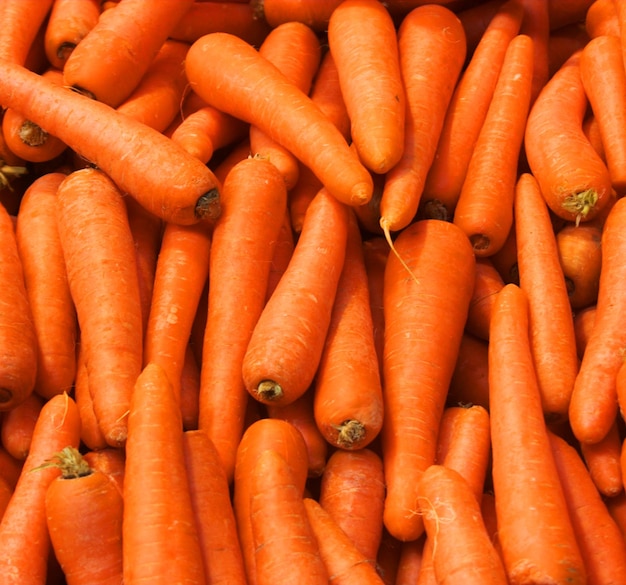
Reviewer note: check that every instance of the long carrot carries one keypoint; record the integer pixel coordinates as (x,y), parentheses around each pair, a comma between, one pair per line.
(536,25)
(154,533)
(429,83)
(91,211)
(601,19)
(145,164)
(420,320)
(603,461)
(470,378)
(286,344)
(23,20)
(23,528)
(248,84)
(484,210)
(487,282)
(18,425)
(529,496)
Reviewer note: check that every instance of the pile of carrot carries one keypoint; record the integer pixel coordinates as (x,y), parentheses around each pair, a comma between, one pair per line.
(328,291)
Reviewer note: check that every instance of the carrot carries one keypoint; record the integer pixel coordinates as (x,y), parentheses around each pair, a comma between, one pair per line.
(84,512)
(241,251)
(314,13)
(283,251)
(484,210)
(90,211)
(110,461)
(127,38)
(525,479)
(213,510)
(468,107)
(285,544)
(263,435)
(45,278)
(470,379)
(103,136)
(603,462)
(18,337)
(352,492)
(22,21)
(155,465)
(601,544)
(18,425)
(362,39)
(462,550)
(248,83)
(68,23)
(487,283)
(583,325)
(287,342)
(411,565)
(594,402)
(10,467)
(6,491)
(388,558)
(552,338)
(348,400)
(580,255)
(617,509)
(190,389)
(601,19)
(429,84)
(420,320)
(602,65)
(536,24)
(23,530)
(573,178)
(345,563)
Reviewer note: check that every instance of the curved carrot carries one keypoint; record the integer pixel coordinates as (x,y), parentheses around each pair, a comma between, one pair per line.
(552,338)
(45,277)
(603,461)
(18,424)
(242,248)
(84,511)
(183,190)
(487,283)
(248,84)
(573,178)
(23,530)
(18,336)
(348,399)
(152,529)
(22,20)
(68,23)
(484,210)
(286,344)
(462,549)
(114,55)
(313,13)
(363,41)
(525,479)
(601,19)
(420,320)
(429,83)
(107,302)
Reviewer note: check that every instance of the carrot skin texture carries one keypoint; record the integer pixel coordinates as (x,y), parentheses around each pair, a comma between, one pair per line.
(415,390)
(521,448)
(23,20)
(154,467)
(18,425)
(292,120)
(118,145)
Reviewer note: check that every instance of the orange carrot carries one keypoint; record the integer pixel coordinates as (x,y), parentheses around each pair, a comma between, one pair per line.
(487,283)
(121,147)
(107,302)
(68,23)
(583,325)
(601,544)
(552,338)
(248,84)
(420,320)
(45,277)
(110,461)
(429,83)
(114,55)
(283,251)
(617,509)
(155,465)
(601,19)
(594,402)
(18,425)
(528,491)
(352,491)
(10,467)
(470,380)
(573,178)
(22,20)
(536,24)
(286,344)
(6,491)
(190,389)
(603,462)
(348,400)
(84,512)
(484,210)
(314,13)
(23,528)
(468,108)
(18,337)
(213,510)
(242,248)
(411,566)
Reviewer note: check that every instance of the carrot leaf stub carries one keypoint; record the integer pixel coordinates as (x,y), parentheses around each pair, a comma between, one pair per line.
(208,205)
(269,391)
(580,203)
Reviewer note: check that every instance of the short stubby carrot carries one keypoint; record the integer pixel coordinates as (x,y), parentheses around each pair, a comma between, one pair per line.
(144,163)
(231,75)
(363,42)
(424,316)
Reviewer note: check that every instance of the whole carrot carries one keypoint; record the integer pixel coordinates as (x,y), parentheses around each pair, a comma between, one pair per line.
(254,90)
(181,190)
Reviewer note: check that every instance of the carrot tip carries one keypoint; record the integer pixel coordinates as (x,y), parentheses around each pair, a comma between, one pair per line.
(361,193)
(269,391)
(384,224)
(350,433)
(208,205)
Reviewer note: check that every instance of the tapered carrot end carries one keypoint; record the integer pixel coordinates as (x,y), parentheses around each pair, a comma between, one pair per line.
(361,193)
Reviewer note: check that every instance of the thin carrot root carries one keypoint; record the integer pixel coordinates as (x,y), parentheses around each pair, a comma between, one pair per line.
(580,203)
(384,224)
(269,391)
(480,241)
(350,432)
(8,172)
(32,135)
(209,206)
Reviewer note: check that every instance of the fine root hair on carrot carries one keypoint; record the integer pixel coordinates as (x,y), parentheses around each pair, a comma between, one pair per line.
(384,224)
(580,203)
(8,172)
(440,512)
(350,432)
